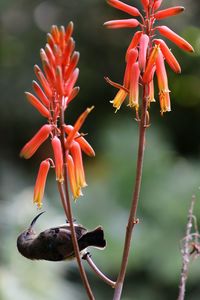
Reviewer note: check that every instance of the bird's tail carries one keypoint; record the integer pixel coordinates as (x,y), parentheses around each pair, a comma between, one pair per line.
(93,238)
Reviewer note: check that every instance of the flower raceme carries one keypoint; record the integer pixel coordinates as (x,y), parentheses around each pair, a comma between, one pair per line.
(55,90)
(150,54)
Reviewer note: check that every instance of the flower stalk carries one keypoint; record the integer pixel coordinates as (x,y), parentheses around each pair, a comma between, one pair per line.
(132,220)
(53,95)
(145,60)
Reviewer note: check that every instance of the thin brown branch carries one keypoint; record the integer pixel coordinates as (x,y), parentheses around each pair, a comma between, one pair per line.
(97,271)
(69,216)
(133,210)
(63,200)
(185,251)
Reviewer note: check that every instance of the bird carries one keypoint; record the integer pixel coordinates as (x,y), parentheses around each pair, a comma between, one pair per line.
(55,244)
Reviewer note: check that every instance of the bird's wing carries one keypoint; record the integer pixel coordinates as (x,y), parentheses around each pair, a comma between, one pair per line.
(79,229)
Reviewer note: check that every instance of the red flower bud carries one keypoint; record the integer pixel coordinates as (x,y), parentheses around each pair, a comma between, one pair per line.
(131,59)
(37,140)
(157,4)
(38,105)
(85,146)
(151,61)
(134,86)
(77,127)
(70,68)
(170,58)
(124,23)
(59,81)
(78,164)
(134,42)
(175,38)
(40,93)
(43,81)
(145,4)
(68,31)
(169,12)
(71,82)
(124,7)
(58,156)
(50,55)
(41,182)
(144,42)
(162,83)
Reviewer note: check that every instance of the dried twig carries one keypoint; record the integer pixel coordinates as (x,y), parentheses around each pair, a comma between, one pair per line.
(189,245)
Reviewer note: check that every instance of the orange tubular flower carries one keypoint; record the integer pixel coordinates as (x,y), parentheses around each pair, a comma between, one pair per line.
(131,59)
(77,126)
(169,12)
(162,83)
(121,23)
(145,4)
(75,188)
(56,89)
(75,151)
(58,156)
(151,53)
(85,146)
(175,38)
(131,10)
(41,182)
(37,140)
(144,41)
(157,4)
(41,95)
(151,61)
(134,87)
(134,42)
(151,86)
(38,105)
(119,99)
(170,58)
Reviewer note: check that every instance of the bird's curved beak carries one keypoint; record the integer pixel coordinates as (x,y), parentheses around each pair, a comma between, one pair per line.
(34,221)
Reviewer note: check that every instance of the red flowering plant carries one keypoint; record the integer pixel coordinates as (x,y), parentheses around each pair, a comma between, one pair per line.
(53,94)
(145,59)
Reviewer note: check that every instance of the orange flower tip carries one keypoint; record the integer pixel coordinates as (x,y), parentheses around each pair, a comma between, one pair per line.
(69,28)
(89,109)
(145,4)
(157,4)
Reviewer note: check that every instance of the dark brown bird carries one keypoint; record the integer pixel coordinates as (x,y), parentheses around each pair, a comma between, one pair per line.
(55,244)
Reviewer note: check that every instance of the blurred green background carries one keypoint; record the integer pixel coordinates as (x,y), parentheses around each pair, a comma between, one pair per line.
(171,168)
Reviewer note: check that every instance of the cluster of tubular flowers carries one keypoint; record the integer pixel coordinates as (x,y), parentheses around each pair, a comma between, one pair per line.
(146,55)
(52,97)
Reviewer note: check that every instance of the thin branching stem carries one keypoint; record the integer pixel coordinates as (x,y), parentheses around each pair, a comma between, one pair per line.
(186,252)
(70,216)
(132,220)
(98,272)
(63,200)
